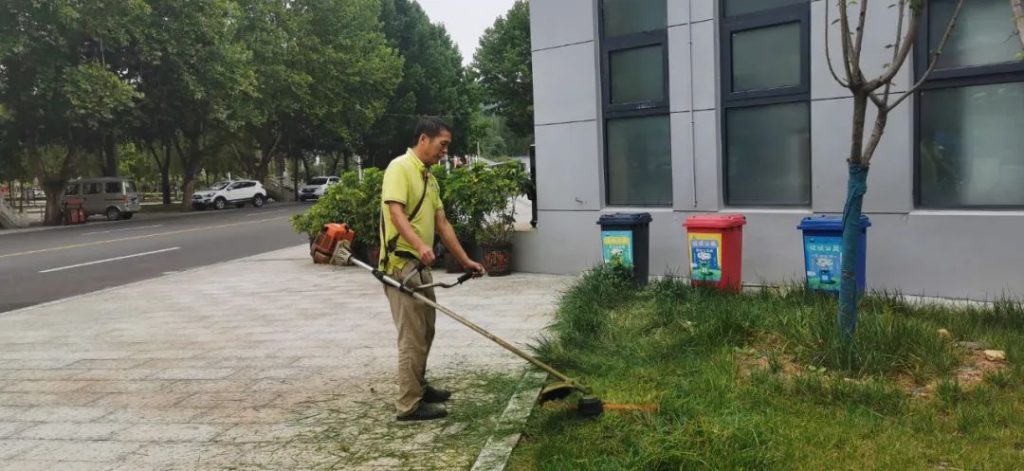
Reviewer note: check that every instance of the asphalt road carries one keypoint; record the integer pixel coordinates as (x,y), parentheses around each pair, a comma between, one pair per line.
(41,266)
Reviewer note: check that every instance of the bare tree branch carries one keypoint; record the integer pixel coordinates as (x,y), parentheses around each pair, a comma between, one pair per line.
(861,26)
(1018,18)
(901,55)
(935,55)
(828,54)
(851,72)
(878,100)
(876,136)
(895,50)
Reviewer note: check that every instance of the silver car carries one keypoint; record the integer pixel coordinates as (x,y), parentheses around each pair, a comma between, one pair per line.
(114,197)
(316,187)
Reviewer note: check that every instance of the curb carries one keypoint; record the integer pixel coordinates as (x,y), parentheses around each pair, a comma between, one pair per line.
(155,216)
(498,449)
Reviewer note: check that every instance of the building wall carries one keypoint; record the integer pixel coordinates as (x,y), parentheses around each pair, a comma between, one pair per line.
(958,254)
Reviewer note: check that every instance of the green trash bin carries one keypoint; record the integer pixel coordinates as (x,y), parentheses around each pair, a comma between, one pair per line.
(624,241)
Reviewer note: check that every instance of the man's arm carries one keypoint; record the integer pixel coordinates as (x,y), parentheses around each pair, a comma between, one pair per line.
(451,241)
(401,222)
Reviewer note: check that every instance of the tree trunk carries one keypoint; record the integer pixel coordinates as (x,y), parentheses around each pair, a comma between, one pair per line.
(262,168)
(165,178)
(856,188)
(190,167)
(53,184)
(109,155)
(1018,18)
(54,194)
(165,171)
(335,160)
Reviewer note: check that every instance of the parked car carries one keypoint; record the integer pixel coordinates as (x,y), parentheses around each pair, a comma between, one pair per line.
(236,192)
(114,197)
(316,187)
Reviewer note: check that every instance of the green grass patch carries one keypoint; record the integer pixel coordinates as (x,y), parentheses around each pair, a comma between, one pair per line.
(763,380)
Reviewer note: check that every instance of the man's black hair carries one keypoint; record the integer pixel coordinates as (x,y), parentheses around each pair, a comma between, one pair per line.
(430,126)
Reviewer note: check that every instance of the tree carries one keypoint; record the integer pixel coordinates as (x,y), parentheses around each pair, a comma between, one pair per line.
(59,89)
(198,80)
(433,82)
(354,75)
(503,67)
(877,91)
(1018,19)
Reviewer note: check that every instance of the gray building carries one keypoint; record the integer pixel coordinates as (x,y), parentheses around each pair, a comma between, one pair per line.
(683,107)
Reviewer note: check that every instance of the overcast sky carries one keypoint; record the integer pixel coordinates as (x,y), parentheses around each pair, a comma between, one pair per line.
(465,20)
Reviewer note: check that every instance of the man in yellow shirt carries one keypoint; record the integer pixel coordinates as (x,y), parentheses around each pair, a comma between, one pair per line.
(411,211)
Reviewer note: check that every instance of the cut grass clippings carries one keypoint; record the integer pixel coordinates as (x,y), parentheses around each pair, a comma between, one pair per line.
(763,380)
(363,434)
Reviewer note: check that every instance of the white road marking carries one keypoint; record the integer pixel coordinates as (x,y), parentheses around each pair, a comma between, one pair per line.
(122,230)
(109,260)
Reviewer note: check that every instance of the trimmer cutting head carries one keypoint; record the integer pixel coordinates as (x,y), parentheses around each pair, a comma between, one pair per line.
(587,406)
(557,391)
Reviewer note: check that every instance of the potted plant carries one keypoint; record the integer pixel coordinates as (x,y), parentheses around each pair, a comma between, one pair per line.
(496,243)
(355,201)
(459,192)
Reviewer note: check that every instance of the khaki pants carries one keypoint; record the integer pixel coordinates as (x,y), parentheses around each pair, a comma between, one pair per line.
(414,320)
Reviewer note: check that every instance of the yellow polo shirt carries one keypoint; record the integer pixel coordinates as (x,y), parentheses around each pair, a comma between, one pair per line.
(403,183)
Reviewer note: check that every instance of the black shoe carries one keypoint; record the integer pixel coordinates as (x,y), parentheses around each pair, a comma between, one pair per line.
(435,396)
(425,412)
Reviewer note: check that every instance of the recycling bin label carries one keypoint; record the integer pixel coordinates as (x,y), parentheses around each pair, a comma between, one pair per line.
(705,256)
(618,247)
(824,262)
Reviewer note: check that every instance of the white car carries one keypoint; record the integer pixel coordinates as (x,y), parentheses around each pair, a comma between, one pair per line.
(316,187)
(238,193)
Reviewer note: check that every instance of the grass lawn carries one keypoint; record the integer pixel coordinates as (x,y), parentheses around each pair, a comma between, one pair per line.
(763,380)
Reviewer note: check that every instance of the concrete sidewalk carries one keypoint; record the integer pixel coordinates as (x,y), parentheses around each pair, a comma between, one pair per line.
(229,366)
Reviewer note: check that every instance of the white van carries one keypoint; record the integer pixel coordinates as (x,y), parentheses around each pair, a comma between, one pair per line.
(114,197)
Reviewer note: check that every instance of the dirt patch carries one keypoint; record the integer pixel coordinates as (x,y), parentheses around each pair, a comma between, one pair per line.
(767,355)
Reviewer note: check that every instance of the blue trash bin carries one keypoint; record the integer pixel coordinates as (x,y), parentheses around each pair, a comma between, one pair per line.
(823,252)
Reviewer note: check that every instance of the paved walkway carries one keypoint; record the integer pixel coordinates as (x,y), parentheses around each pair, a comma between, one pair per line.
(267,362)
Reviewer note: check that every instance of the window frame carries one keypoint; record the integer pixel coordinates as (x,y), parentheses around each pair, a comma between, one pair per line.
(954,77)
(649,108)
(799,13)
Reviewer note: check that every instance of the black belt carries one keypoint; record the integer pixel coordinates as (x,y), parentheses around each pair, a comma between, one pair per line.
(406,255)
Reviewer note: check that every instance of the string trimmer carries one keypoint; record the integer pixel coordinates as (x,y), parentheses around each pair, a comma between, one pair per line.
(588,405)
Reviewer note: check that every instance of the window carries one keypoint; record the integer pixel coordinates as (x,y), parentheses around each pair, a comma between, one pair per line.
(73,189)
(93,188)
(970,111)
(765,101)
(113,188)
(634,65)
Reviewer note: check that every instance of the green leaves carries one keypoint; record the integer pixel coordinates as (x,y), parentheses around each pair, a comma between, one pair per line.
(354,201)
(503,67)
(430,81)
(479,200)
(95,94)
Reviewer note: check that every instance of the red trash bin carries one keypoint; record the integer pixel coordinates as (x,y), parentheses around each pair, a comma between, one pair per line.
(715,243)
(74,213)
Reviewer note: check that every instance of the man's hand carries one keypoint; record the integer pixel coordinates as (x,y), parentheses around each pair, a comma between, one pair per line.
(474,267)
(427,255)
